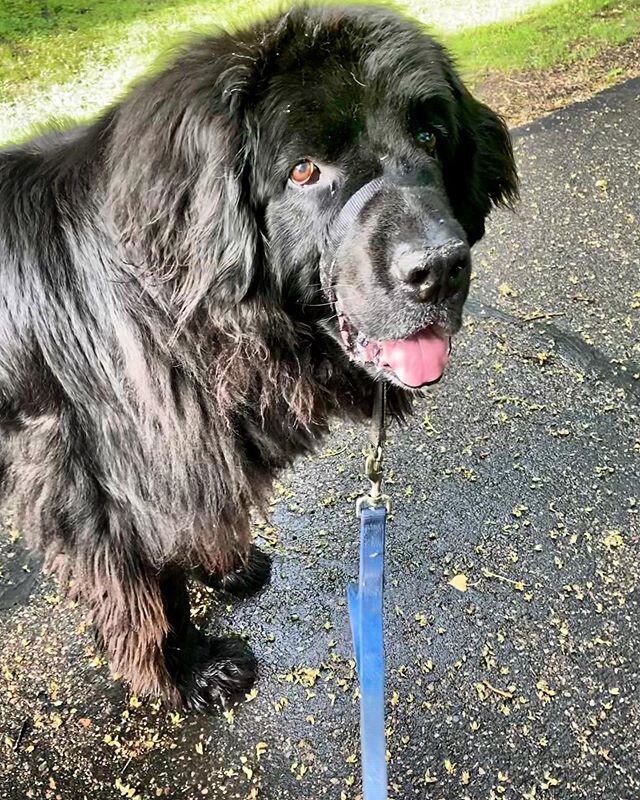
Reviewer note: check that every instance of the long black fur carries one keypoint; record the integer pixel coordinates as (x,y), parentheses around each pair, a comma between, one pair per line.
(165,345)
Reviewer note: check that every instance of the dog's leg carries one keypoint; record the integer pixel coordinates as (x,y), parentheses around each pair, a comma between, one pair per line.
(204,671)
(249,573)
(143,625)
(131,622)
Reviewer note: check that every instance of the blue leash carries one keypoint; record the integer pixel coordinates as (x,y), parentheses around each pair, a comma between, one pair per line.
(366,613)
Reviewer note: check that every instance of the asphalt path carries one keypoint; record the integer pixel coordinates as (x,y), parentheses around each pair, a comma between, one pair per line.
(517,479)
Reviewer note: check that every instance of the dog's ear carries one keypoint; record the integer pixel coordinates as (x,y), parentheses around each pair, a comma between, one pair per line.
(177,191)
(481,172)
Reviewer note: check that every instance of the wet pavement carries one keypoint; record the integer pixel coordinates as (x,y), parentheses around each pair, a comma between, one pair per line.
(517,478)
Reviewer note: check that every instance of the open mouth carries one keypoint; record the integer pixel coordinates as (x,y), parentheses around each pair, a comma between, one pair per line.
(415,361)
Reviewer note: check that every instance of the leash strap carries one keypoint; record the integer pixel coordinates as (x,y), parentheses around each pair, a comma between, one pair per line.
(366,611)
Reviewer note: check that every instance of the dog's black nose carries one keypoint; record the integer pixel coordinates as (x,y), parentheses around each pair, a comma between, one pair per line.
(430,273)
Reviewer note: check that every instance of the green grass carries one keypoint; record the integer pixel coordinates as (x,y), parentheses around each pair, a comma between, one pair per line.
(67,59)
(42,43)
(568,31)
(72,57)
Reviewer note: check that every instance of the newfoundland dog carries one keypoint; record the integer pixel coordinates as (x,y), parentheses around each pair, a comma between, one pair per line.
(195,283)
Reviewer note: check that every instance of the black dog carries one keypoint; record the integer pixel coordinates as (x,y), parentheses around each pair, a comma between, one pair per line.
(194,284)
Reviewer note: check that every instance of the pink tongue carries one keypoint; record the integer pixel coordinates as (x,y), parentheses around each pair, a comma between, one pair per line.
(417,360)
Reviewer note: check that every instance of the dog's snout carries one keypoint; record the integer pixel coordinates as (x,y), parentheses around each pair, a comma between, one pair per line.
(430,272)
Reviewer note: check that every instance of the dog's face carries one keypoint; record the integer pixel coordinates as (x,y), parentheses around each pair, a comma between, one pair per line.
(359,172)
(366,167)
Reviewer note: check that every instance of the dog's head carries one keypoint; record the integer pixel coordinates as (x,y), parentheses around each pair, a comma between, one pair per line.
(334,157)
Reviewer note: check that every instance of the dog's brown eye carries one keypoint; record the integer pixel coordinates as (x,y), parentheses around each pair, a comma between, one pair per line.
(305,172)
(427,139)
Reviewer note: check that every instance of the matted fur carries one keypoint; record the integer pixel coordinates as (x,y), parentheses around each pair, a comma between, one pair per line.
(165,344)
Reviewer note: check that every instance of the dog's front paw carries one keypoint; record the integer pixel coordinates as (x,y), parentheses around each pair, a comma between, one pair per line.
(222,670)
(249,574)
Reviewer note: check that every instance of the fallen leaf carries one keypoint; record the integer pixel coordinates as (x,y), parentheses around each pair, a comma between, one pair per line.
(506,290)
(261,749)
(459,582)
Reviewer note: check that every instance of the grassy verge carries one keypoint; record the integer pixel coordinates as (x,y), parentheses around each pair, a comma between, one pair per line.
(564,33)
(72,57)
(44,43)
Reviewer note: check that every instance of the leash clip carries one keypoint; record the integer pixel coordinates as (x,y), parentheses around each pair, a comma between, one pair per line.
(374,456)
(373,463)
